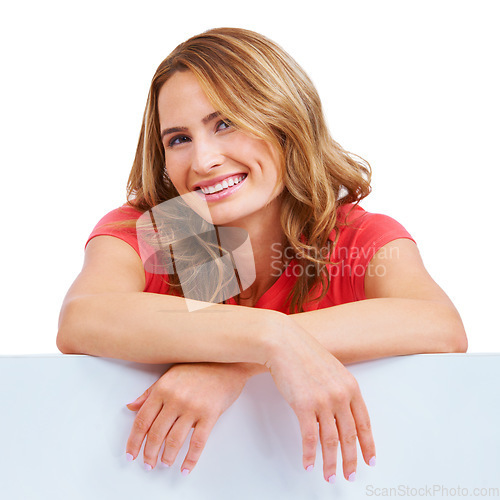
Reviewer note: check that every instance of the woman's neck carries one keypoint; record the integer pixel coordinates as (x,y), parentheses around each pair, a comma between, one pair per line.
(267,243)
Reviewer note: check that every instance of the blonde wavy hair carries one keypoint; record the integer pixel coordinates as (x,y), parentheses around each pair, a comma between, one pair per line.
(256,85)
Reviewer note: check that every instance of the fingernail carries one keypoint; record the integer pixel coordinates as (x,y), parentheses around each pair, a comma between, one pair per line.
(147,466)
(352,477)
(185,472)
(163,464)
(331,479)
(372,462)
(309,468)
(130,457)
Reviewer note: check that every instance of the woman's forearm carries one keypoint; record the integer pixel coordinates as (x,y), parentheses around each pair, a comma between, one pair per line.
(382,327)
(378,328)
(154,328)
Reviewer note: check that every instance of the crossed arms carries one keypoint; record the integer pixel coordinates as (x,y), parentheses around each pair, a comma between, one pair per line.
(216,350)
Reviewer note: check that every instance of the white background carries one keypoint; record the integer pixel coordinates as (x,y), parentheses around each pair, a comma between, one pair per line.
(410,86)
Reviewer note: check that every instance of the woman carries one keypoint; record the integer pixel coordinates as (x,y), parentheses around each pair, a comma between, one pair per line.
(234,130)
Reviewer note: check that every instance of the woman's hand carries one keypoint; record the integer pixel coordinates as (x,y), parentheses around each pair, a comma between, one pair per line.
(186,396)
(321,390)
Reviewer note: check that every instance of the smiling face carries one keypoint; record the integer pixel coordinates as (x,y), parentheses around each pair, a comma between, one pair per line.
(233,172)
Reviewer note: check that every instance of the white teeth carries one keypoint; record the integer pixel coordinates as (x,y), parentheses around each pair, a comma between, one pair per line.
(232,181)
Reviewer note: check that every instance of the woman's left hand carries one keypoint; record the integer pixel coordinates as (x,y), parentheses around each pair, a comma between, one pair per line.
(186,396)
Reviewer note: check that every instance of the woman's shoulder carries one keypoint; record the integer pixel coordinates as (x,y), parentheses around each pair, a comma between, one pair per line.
(348,213)
(119,222)
(123,213)
(359,227)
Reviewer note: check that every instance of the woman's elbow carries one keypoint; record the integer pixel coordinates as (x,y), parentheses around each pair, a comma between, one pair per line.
(456,338)
(460,342)
(61,339)
(66,333)
(62,343)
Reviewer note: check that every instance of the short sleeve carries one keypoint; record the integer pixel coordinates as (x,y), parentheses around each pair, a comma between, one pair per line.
(155,283)
(107,226)
(359,240)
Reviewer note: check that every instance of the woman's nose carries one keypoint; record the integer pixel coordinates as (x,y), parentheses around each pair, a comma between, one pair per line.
(207,154)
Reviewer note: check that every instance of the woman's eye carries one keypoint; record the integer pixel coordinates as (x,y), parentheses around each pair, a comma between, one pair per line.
(227,124)
(180,138)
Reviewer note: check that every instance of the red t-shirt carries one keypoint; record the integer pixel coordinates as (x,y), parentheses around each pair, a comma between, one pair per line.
(358,242)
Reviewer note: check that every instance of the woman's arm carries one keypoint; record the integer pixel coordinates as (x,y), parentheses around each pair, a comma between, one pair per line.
(153,328)
(405,312)
(105,313)
(377,328)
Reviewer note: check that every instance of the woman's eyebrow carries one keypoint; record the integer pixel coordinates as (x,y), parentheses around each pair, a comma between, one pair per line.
(205,120)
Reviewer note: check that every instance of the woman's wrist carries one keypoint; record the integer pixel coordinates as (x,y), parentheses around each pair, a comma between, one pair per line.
(248,370)
(271,335)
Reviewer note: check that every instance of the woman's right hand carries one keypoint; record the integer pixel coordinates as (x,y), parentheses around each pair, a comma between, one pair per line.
(187,395)
(321,390)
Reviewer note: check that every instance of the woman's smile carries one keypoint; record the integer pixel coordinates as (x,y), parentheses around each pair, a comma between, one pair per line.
(222,190)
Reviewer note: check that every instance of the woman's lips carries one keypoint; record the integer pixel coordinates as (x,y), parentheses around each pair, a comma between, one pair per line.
(221,194)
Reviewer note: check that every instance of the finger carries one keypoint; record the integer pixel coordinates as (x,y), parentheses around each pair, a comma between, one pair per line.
(309,431)
(143,420)
(364,430)
(199,438)
(175,439)
(156,435)
(136,405)
(329,445)
(347,434)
